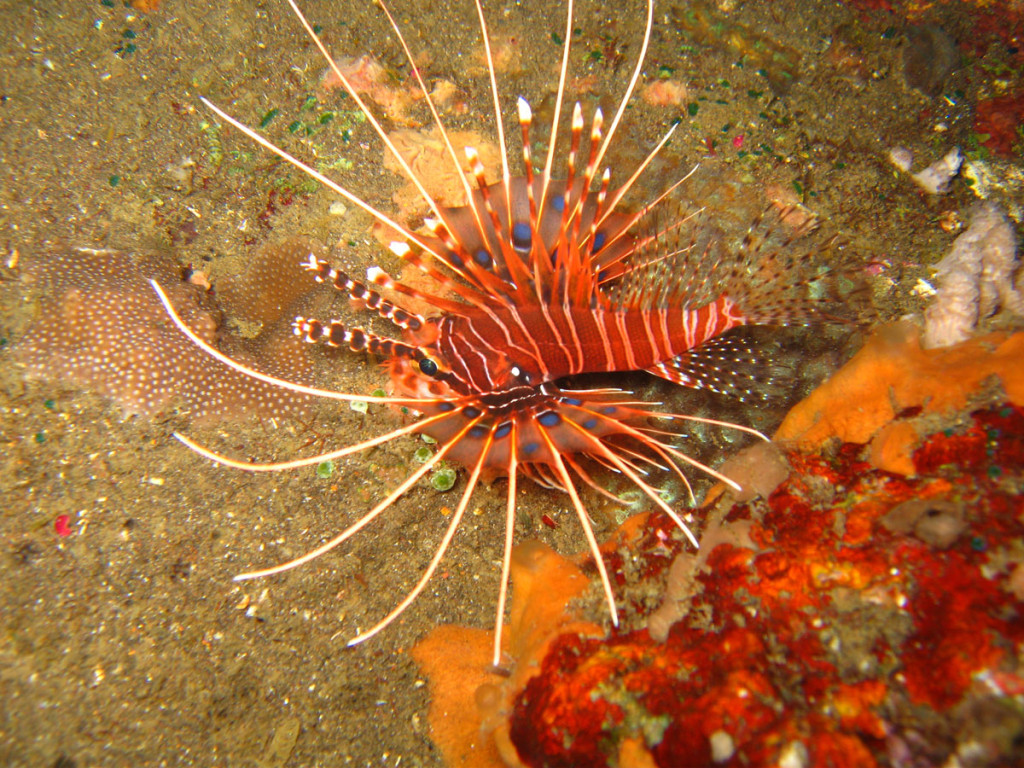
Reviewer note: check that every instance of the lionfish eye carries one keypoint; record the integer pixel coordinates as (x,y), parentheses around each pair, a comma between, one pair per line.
(428,367)
(517,372)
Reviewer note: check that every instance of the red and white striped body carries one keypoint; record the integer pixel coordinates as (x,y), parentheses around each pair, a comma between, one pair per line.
(536,344)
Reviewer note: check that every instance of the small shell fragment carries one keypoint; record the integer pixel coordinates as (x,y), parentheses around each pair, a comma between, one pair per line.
(936,177)
(902,158)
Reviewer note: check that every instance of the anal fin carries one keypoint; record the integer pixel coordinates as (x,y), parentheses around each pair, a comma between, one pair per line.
(729,365)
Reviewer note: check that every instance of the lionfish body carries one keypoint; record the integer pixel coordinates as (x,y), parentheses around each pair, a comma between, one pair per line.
(539,283)
(503,350)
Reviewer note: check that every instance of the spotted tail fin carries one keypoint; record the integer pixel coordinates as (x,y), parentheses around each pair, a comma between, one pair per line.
(782,272)
(794,275)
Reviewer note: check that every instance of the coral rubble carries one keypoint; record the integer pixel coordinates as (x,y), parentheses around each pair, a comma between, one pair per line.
(936,177)
(976,277)
(933,179)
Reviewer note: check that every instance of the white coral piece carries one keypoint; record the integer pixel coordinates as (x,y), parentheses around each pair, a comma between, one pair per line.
(975,278)
(936,177)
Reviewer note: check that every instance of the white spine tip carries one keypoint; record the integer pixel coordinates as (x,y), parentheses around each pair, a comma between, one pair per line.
(525,113)
(399,248)
(472,155)
(377,275)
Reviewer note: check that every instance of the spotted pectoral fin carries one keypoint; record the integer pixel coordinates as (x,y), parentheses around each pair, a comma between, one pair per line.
(729,365)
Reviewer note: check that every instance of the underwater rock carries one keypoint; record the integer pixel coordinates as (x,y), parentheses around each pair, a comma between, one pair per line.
(975,278)
(929,57)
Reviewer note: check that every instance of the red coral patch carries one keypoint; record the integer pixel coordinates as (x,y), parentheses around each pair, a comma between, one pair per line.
(811,642)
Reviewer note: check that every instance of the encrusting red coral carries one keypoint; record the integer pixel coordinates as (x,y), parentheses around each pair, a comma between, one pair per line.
(857,618)
(998,119)
(832,638)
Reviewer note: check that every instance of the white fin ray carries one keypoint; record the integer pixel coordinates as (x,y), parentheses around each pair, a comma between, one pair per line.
(291,386)
(361,523)
(378,128)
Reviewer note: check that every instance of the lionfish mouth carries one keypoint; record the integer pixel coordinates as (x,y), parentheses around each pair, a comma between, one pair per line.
(538,281)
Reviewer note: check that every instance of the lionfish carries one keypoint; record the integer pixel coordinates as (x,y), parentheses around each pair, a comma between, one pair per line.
(537,282)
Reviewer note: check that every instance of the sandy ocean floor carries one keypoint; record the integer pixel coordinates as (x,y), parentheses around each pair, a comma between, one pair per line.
(125,641)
